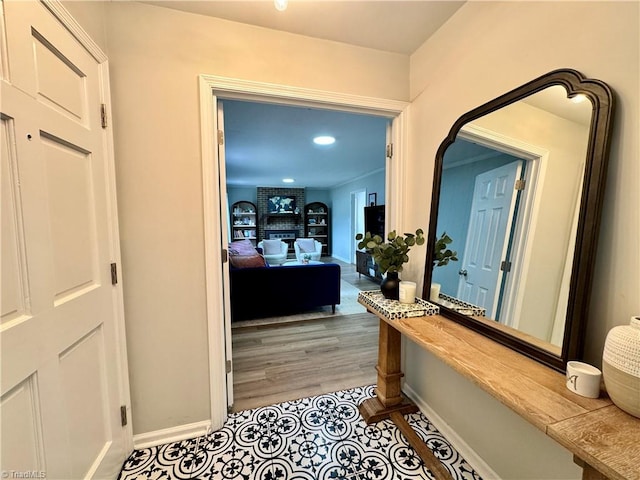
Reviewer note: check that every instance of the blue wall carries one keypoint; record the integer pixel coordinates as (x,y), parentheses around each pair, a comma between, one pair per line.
(339,202)
(237,194)
(342,237)
(318,195)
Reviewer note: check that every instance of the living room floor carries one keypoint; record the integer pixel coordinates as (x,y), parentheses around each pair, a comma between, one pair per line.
(279,359)
(314,438)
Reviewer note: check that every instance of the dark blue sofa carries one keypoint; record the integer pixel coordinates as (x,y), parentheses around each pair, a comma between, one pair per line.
(280,290)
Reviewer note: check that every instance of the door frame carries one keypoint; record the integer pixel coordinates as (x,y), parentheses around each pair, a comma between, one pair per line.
(213,87)
(355,216)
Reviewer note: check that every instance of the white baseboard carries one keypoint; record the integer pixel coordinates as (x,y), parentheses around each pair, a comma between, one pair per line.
(173,434)
(478,464)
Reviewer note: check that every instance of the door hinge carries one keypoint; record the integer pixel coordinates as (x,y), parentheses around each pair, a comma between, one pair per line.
(123,415)
(389,150)
(225,255)
(103,115)
(228,366)
(114,274)
(505,266)
(520,184)
(220,137)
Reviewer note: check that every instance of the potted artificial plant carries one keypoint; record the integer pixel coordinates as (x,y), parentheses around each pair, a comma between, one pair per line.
(390,256)
(442,255)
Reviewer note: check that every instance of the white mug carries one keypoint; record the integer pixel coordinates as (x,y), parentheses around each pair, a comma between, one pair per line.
(407,292)
(583,379)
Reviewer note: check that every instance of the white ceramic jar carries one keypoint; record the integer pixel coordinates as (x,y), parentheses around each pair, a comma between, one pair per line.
(621,366)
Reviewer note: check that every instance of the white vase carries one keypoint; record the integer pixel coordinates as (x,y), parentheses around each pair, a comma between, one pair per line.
(434,293)
(621,366)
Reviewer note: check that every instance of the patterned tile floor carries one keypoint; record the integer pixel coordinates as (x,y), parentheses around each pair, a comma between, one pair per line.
(313,438)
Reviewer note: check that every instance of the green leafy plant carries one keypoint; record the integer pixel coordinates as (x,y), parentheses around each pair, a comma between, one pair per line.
(442,254)
(390,255)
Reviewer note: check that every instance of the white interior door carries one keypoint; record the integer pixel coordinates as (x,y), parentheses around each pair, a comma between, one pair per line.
(490,219)
(224,222)
(359,201)
(62,379)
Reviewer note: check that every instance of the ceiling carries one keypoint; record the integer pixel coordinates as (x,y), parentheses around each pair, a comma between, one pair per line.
(393,26)
(265,143)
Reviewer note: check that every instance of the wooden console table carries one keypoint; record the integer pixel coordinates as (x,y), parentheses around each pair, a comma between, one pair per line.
(603,439)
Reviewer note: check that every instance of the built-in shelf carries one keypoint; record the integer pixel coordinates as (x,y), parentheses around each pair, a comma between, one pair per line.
(317,224)
(243,221)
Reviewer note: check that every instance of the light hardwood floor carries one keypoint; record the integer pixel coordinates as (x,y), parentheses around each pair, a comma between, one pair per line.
(277,363)
(283,360)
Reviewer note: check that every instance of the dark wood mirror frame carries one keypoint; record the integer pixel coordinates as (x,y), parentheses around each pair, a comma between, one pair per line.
(602,100)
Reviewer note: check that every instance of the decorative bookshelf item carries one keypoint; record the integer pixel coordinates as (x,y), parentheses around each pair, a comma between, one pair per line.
(282,204)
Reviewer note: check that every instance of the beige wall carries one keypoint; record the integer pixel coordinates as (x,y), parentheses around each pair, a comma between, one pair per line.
(91,16)
(483,51)
(156,55)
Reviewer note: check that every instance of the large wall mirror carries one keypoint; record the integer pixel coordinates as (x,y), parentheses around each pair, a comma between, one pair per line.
(518,189)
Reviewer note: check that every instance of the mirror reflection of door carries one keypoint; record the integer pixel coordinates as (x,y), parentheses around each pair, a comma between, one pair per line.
(475,178)
(493,212)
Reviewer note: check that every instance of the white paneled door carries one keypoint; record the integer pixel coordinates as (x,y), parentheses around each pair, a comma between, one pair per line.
(63,377)
(491,217)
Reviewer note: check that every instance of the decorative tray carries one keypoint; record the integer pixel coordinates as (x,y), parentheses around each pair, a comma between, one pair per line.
(461,307)
(393,309)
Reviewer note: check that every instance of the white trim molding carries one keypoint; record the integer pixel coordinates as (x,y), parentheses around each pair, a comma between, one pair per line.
(248,90)
(63,15)
(170,435)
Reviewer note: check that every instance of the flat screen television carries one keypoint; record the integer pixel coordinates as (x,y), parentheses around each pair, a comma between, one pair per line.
(281,204)
(374,220)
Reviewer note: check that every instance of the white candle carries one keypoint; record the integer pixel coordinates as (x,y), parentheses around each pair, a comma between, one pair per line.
(407,292)
(434,292)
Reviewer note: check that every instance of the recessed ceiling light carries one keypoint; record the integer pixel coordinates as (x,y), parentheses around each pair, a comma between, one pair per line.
(288,180)
(324,140)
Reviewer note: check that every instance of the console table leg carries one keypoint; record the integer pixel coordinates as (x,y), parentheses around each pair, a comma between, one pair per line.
(434,465)
(588,472)
(388,397)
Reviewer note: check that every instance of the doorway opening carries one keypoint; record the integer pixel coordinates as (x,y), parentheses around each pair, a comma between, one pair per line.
(215,209)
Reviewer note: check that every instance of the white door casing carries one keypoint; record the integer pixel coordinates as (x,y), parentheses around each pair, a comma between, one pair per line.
(358,202)
(225,236)
(212,88)
(64,372)
(491,216)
